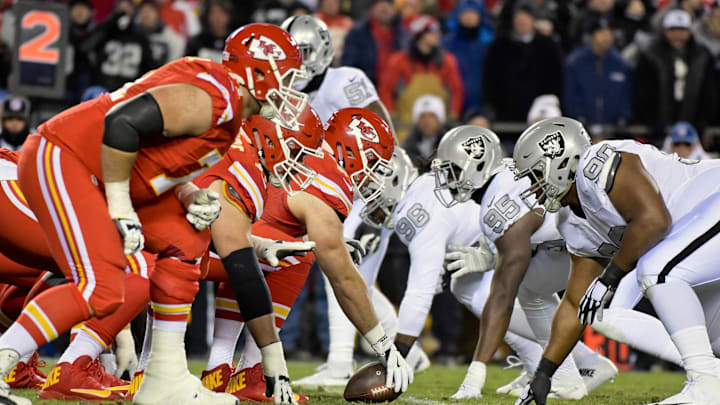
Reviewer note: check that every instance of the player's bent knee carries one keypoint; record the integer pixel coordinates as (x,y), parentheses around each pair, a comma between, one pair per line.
(175,281)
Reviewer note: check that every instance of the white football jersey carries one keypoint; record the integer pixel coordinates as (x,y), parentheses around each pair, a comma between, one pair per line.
(501,207)
(581,238)
(596,174)
(8,170)
(342,87)
(427,227)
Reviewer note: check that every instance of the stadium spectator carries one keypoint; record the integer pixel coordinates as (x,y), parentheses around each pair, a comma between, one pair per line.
(123,53)
(338,24)
(706,29)
(79,68)
(552,19)
(598,81)
(276,11)
(409,10)
(468,37)
(683,140)
(545,106)
(674,80)
(180,16)
(424,66)
(428,127)
(371,41)
(519,67)
(15,122)
(166,44)
(216,27)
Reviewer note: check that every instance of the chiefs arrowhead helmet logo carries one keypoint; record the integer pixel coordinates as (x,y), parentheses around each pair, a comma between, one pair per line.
(263,48)
(553,145)
(362,128)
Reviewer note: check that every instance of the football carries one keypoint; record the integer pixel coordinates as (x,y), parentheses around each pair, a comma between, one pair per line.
(368,385)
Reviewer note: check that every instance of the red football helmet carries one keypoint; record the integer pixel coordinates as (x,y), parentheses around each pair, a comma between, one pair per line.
(363,145)
(283,149)
(267,61)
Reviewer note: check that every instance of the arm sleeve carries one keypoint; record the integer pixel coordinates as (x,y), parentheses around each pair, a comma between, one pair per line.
(427,254)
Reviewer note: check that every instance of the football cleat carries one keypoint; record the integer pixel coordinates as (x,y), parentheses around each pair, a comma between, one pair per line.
(134,384)
(76,381)
(418,359)
(218,378)
(596,371)
(699,390)
(97,370)
(248,384)
(566,386)
(8,360)
(325,377)
(27,375)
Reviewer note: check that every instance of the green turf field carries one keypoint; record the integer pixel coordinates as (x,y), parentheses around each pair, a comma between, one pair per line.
(435,386)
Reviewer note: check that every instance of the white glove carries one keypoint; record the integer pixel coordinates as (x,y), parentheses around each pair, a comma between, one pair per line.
(356,250)
(466,259)
(272,251)
(471,386)
(202,205)
(276,374)
(593,302)
(398,373)
(126,358)
(124,216)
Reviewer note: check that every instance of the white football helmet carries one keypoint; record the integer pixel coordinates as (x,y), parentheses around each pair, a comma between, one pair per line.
(379,212)
(548,153)
(467,157)
(314,40)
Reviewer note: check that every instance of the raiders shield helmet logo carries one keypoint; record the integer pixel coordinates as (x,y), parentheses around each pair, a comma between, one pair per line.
(553,145)
(263,47)
(362,128)
(474,147)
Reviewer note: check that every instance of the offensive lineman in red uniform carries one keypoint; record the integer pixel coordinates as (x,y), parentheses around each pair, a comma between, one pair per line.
(357,156)
(106,166)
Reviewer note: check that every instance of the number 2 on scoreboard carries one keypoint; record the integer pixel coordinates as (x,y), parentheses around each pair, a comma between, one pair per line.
(37,49)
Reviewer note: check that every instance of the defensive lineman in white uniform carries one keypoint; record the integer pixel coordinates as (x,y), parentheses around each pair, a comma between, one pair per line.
(653,211)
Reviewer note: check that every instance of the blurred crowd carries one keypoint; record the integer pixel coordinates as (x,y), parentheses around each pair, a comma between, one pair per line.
(642,68)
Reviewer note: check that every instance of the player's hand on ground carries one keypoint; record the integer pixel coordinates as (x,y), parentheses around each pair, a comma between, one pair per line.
(536,391)
(593,302)
(202,205)
(467,392)
(462,260)
(131,232)
(356,250)
(125,356)
(280,389)
(272,251)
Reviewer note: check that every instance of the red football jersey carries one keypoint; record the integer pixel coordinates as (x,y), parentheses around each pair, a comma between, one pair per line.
(331,185)
(161,166)
(242,171)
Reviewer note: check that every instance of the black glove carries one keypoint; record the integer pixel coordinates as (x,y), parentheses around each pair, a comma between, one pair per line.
(539,388)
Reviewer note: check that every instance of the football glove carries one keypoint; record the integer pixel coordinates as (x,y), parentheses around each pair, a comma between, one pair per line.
(599,294)
(126,358)
(537,390)
(272,251)
(276,374)
(397,371)
(202,205)
(471,386)
(356,250)
(462,260)
(124,216)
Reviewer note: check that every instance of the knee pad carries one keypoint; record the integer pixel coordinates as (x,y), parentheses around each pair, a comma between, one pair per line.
(174,281)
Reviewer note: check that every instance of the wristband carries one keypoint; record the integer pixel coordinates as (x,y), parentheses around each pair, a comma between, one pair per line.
(547,367)
(612,275)
(119,204)
(403,348)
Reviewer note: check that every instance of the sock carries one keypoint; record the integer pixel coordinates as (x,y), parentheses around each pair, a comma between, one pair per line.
(50,314)
(694,347)
(147,342)
(86,343)
(170,317)
(225,337)
(342,335)
(639,331)
(251,353)
(528,351)
(385,311)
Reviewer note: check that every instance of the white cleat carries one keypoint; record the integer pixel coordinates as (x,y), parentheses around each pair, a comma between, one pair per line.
(8,360)
(167,380)
(324,377)
(467,392)
(566,386)
(418,359)
(516,386)
(596,371)
(701,390)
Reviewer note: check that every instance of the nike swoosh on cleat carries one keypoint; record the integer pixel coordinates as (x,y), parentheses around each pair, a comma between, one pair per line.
(98,393)
(120,388)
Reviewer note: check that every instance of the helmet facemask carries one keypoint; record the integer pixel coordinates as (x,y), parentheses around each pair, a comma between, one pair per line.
(546,185)
(452,185)
(369,182)
(285,102)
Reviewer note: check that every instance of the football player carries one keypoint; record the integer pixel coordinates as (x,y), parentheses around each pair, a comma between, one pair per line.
(532,261)
(654,212)
(95,173)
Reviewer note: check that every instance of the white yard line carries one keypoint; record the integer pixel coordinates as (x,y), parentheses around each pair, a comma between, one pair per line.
(410,398)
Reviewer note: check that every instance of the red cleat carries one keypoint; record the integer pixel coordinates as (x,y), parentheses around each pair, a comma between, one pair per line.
(218,378)
(75,382)
(27,375)
(248,384)
(97,370)
(134,385)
